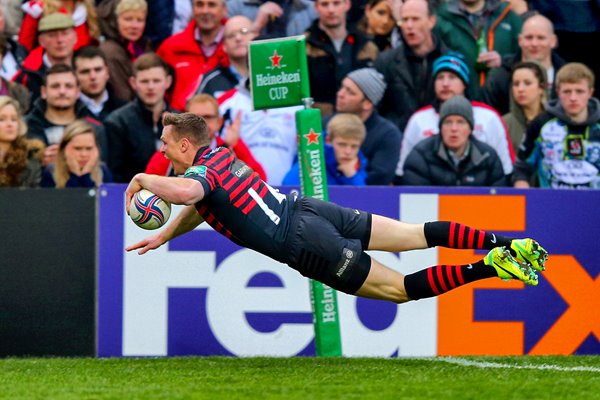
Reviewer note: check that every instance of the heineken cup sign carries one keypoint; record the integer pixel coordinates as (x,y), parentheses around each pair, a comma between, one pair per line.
(279,72)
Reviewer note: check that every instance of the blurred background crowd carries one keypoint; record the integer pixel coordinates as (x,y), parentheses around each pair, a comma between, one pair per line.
(412,92)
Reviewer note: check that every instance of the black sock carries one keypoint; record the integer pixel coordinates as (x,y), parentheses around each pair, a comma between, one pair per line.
(434,281)
(459,236)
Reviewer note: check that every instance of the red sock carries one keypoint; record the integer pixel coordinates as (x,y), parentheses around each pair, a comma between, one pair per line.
(434,281)
(459,236)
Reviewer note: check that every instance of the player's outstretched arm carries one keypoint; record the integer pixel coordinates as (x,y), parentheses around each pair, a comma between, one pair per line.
(186,221)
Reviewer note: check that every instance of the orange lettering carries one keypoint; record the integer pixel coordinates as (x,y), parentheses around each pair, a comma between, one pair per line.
(582,294)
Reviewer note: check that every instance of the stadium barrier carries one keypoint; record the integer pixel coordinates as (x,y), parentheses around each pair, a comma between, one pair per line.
(47,272)
(203,295)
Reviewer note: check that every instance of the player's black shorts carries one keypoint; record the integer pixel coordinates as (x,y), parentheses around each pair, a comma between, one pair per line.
(327,243)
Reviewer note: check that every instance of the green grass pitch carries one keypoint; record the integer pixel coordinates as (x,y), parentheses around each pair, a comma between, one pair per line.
(574,377)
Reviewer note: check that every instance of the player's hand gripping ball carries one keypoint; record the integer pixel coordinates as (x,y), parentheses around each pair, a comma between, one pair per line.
(149,211)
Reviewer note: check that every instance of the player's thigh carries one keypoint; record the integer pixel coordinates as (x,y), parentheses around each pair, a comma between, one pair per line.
(392,235)
(383,283)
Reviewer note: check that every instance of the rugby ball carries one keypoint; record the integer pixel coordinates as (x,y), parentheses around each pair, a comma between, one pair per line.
(149,211)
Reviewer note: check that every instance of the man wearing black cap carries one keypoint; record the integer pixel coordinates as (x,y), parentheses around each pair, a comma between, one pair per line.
(57,38)
(451,78)
(359,94)
(454,157)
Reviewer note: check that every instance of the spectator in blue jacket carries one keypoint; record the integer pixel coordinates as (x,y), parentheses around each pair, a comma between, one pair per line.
(344,163)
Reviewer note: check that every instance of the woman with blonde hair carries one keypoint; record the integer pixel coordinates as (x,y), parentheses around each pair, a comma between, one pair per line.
(82,11)
(123,23)
(78,161)
(20,158)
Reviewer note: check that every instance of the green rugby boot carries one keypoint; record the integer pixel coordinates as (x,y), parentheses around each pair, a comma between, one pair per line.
(530,252)
(507,267)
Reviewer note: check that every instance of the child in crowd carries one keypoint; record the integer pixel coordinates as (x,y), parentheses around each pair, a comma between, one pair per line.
(345,164)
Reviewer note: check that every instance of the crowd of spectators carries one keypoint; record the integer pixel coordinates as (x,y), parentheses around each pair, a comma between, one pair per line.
(412,92)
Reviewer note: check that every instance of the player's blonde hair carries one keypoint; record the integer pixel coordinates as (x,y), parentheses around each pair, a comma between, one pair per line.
(61,169)
(347,126)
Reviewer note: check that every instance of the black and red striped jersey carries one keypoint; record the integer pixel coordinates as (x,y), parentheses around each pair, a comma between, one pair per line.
(238,204)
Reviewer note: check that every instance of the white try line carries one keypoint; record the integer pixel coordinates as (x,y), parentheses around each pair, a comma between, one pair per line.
(486,364)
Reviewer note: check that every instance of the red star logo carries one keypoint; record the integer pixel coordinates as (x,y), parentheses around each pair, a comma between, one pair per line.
(275,60)
(312,137)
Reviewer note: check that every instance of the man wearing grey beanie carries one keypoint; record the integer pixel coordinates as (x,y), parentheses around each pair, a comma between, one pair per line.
(454,157)
(359,94)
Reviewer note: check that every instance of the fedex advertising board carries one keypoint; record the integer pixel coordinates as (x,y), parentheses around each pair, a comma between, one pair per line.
(201,294)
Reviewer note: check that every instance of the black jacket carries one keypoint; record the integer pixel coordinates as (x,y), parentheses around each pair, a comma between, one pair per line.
(429,164)
(37,124)
(496,91)
(327,68)
(409,81)
(217,81)
(132,139)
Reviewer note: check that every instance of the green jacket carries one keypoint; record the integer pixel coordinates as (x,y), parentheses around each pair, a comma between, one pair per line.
(502,27)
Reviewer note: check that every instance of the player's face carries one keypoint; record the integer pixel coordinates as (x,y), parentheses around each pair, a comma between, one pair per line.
(61,90)
(574,97)
(9,124)
(81,148)
(455,133)
(349,98)
(171,150)
(210,114)
(332,13)
(345,149)
(151,84)
(526,89)
(92,74)
(131,24)
(209,14)
(448,85)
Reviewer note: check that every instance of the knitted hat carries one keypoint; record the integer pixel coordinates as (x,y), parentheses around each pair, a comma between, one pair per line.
(370,82)
(55,21)
(453,62)
(457,105)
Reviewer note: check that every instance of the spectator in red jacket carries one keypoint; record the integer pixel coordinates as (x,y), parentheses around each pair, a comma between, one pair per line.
(82,11)
(206,106)
(196,50)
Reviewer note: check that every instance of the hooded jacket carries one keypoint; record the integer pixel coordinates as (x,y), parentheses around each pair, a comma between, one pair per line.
(564,153)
